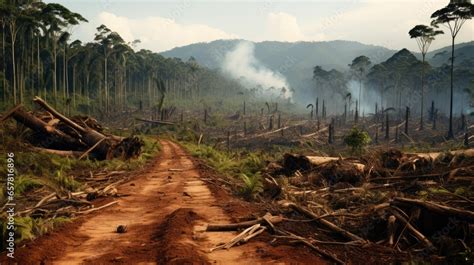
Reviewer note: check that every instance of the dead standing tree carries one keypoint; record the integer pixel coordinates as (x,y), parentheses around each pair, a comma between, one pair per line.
(387,122)
(312,109)
(407,116)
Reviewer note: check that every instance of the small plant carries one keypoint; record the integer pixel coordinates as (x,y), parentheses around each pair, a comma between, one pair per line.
(358,140)
(65,182)
(252,185)
(25,183)
(251,163)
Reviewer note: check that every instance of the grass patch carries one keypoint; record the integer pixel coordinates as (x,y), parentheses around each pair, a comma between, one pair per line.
(241,167)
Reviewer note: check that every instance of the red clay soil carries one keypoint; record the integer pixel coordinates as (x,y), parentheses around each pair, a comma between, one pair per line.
(165,212)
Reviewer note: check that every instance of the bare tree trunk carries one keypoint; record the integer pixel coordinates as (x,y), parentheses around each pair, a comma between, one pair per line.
(13,39)
(407,115)
(74,86)
(450,132)
(65,74)
(106,88)
(4,86)
(55,88)
(422,91)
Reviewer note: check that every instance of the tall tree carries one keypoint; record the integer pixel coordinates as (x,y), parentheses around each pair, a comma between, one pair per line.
(359,67)
(11,15)
(424,35)
(107,39)
(453,16)
(56,18)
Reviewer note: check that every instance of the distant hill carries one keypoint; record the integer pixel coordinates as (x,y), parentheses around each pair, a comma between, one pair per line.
(296,60)
(402,59)
(463,52)
(330,54)
(293,60)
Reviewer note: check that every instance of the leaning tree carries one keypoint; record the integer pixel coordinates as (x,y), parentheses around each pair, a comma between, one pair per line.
(424,35)
(453,16)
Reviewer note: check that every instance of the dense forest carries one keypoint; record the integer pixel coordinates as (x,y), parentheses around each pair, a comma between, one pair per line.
(395,83)
(107,74)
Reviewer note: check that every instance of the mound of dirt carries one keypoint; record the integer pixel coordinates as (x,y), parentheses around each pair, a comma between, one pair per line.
(171,249)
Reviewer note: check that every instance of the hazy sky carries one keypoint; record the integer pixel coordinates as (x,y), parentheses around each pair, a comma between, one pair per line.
(163,25)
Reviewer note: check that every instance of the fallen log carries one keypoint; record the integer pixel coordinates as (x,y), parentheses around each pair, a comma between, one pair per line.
(324,222)
(38,125)
(103,147)
(65,153)
(438,208)
(291,161)
(242,225)
(155,122)
(412,229)
(243,237)
(293,237)
(468,153)
(89,136)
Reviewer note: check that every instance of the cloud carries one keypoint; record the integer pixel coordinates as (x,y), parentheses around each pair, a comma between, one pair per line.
(283,27)
(385,23)
(159,33)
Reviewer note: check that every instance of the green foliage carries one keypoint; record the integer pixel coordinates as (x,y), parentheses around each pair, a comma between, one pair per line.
(227,162)
(358,140)
(252,185)
(252,163)
(25,183)
(66,182)
(246,166)
(220,161)
(28,228)
(24,228)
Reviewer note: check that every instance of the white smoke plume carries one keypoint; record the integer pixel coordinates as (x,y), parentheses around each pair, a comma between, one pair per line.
(368,97)
(240,63)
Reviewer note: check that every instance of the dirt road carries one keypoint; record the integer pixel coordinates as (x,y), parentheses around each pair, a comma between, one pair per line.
(165,212)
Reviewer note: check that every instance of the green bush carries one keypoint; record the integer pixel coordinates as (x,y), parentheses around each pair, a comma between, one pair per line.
(358,140)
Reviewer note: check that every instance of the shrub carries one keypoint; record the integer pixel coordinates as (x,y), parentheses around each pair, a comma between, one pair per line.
(358,140)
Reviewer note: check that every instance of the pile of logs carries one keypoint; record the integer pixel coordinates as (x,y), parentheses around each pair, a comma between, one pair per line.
(78,136)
